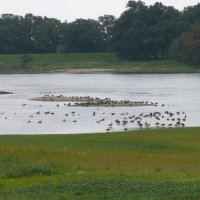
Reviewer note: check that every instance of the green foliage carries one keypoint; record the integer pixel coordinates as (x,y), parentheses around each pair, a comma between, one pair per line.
(107,23)
(35,34)
(145,32)
(191,15)
(176,48)
(29,34)
(83,36)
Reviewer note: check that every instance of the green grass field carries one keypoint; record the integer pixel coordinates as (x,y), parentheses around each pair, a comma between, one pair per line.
(49,62)
(141,165)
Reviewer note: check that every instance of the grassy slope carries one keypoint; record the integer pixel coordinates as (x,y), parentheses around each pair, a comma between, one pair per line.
(49,62)
(152,164)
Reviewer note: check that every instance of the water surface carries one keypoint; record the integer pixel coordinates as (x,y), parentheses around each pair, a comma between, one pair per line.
(178,92)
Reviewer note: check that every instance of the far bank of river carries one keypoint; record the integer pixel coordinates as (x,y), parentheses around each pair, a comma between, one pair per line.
(90,63)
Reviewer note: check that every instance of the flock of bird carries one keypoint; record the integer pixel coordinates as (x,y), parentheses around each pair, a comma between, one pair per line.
(113,120)
(149,120)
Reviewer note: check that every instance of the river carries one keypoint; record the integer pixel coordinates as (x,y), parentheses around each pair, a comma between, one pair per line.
(175,93)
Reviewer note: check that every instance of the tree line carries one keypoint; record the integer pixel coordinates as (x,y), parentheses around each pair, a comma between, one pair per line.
(141,33)
(36,34)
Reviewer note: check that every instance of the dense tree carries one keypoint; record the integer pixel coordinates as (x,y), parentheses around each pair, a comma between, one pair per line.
(9,33)
(129,31)
(191,14)
(161,32)
(107,23)
(84,36)
(29,34)
(141,32)
(186,47)
(40,34)
(176,48)
(191,45)
(144,32)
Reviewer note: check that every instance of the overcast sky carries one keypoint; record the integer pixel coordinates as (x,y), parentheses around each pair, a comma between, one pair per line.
(72,9)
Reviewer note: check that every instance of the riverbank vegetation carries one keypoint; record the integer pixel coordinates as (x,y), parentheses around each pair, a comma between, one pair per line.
(150,164)
(93,62)
(141,33)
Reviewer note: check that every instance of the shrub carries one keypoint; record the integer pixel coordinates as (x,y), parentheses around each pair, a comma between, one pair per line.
(25,59)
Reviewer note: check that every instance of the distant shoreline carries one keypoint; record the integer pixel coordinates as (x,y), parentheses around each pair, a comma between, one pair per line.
(91,63)
(112,71)
(97,71)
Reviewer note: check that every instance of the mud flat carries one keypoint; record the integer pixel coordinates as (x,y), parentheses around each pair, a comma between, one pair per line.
(3,92)
(85,71)
(112,103)
(64,98)
(92,102)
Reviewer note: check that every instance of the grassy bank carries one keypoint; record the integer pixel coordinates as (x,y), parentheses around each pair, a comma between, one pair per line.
(104,61)
(151,164)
